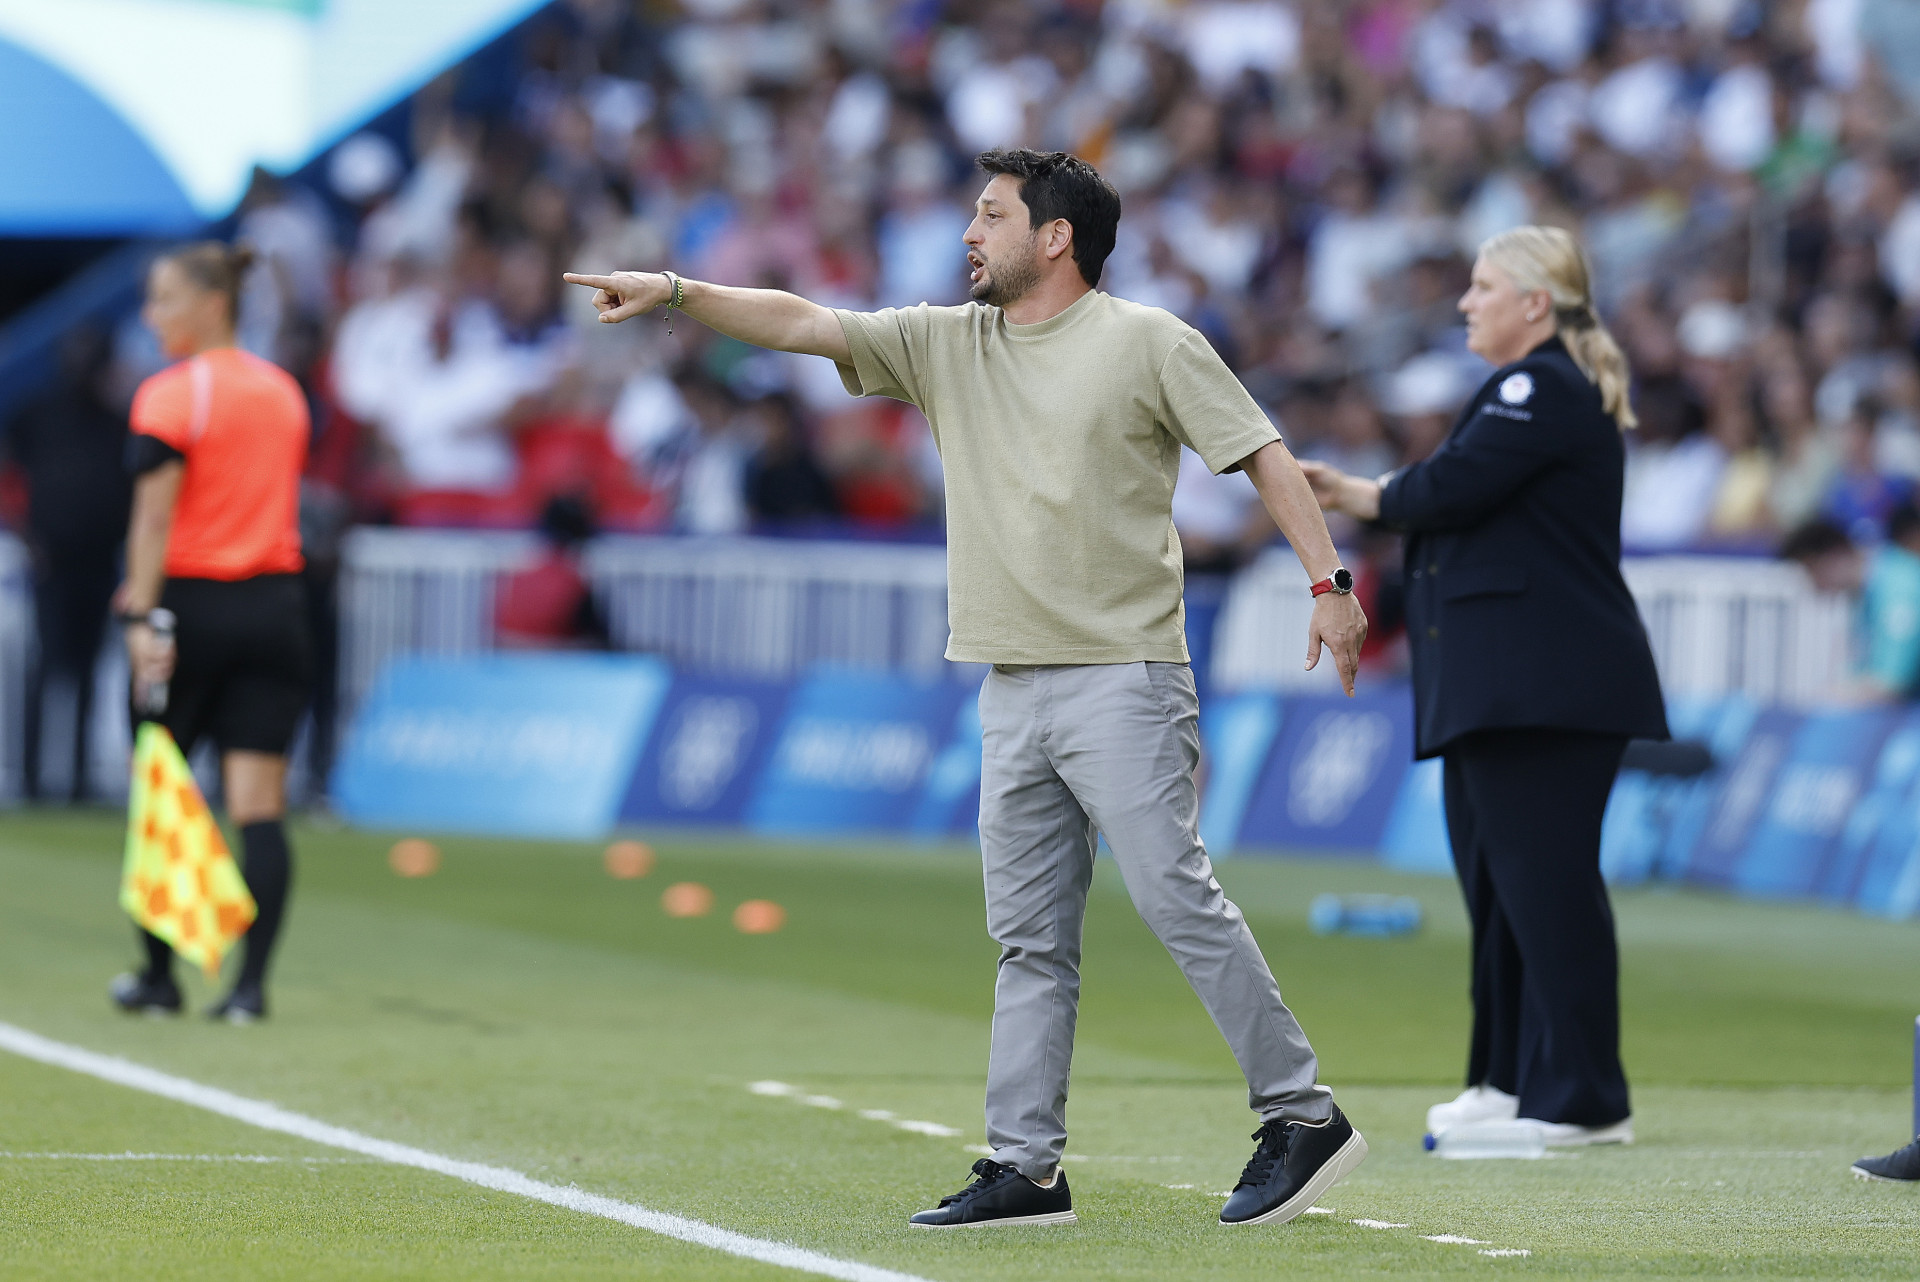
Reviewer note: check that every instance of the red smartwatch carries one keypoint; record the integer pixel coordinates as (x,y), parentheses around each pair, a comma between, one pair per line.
(1340,581)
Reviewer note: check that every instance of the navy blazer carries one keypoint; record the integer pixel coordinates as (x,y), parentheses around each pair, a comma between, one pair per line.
(1517,615)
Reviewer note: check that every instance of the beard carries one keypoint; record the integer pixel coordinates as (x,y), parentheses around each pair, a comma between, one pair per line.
(1008,279)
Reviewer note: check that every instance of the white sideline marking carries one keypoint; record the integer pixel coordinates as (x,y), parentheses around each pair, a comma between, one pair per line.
(786,1090)
(1454,1239)
(1379,1224)
(166,1157)
(271,1117)
(934,1129)
(1508,1251)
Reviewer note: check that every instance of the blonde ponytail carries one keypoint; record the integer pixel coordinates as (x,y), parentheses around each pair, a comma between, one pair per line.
(1548,260)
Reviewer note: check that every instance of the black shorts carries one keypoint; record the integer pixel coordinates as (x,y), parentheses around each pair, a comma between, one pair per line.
(245,666)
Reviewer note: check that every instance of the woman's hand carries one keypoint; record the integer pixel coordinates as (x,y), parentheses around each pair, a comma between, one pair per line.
(1337,492)
(150,657)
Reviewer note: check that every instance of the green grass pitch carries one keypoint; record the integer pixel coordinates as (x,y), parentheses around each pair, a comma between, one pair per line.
(522,1008)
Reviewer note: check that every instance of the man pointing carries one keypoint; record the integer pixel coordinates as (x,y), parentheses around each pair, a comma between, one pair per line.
(1059,412)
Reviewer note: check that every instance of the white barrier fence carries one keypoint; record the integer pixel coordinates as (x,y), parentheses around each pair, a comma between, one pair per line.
(1719,625)
(766,608)
(770,608)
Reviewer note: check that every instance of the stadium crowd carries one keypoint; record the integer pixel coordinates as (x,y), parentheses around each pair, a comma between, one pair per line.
(1305,182)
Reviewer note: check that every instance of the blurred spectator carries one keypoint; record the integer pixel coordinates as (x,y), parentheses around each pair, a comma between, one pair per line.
(1890,610)
(70,447)
(1830,558)
(1885,584)
(784,480)
(1863,496)
(549,605)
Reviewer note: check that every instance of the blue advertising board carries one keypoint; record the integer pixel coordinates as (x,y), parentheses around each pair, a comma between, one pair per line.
(1238,732)
(1876,862)
(529,745)
(1823,803)
(1829,764)
(1738,801)
(711,741)
(1333,774)
(855,753)
(949,806)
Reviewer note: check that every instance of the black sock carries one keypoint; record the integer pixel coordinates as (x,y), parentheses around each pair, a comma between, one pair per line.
(267,865)
(159,956)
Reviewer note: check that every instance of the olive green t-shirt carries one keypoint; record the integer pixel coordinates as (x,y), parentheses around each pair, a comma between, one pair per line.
(1060,442)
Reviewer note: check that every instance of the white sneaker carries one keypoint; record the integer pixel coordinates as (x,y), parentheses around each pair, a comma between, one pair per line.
(1475,1104)
(1567,1135)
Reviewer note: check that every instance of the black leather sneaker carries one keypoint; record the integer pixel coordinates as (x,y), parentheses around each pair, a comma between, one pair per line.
(1001,1195)
(143,994)
(1293,1164)
(1899,1165)
(244,1005)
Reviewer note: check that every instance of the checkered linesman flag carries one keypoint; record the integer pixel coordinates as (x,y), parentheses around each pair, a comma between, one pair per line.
(180,881)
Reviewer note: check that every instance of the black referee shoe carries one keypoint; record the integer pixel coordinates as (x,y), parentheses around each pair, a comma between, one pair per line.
(1293,1164)
(1898,1166)
(246,1004)
(1000,1195)
(143,994)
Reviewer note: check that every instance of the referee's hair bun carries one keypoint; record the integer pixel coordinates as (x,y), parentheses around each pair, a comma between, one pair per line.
(215,266)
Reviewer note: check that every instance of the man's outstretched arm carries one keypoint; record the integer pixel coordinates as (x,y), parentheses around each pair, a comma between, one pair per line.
(770,318)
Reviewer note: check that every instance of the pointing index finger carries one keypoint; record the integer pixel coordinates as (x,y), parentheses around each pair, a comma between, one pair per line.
(592,282)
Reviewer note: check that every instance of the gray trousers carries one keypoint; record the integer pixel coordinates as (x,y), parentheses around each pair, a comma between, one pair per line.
(1068,750)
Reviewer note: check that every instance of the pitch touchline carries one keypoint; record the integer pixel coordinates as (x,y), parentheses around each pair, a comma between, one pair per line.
(257,1158)
(271,1117)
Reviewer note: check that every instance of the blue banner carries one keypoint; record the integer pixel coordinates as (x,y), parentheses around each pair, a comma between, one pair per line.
(712,744)
(1876,862)
(1742,787)
(1238,732)
(950,806)
(1823,803)
(1333,774)
(1828,766)
(529,745)
(855,753)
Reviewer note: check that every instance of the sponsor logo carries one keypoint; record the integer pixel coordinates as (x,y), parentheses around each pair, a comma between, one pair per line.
(1337,760)
(1814,799)
(533,743)
(706,750)
(859,756)
(1515,389)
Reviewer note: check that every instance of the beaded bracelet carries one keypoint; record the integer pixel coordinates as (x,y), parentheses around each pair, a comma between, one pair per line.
(676,297)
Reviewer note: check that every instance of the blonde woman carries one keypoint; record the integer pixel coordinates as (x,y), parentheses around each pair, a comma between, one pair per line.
(1531,670)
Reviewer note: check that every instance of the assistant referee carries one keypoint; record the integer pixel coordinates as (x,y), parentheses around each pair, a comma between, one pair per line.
(218,444)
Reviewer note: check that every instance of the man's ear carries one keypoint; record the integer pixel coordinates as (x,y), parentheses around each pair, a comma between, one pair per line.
(1059,238)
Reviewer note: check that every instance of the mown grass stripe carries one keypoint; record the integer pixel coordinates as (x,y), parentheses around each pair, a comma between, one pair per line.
(271,1117)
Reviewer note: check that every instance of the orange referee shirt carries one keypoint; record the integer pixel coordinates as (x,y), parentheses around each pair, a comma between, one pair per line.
(241,424)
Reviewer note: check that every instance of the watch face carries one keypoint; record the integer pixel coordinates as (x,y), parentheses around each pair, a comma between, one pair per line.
(1343,580)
